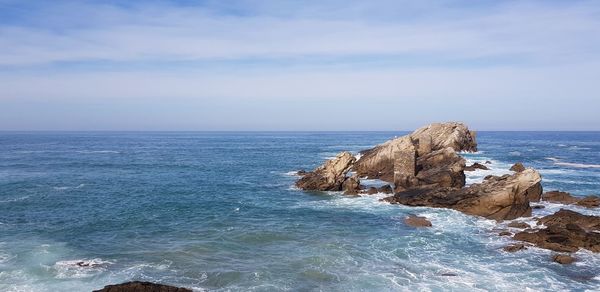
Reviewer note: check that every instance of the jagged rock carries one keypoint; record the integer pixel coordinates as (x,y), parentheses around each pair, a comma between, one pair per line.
(563,259)
(566,198)
(440,168)
(351,185)
(137,286)
(589,202)
(329,176)
(564,217)
(520,225)
(499,198)
(476,166)
(381,161)
(566,231)
(514,247)
(417,221)
(517,167)
(386,189)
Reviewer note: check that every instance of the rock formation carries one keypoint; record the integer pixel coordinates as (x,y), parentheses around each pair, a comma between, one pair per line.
(566,198)
(351,186)
(137,286)
(417,221)
(566,231)
(499,198)
(517,167)
(329,176)
(400,155)
(563,259)
(476,166)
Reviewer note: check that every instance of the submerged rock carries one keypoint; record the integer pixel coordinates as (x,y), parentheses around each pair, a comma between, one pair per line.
(476,166)
(417,221)
(517,167)
(138,286)
(499,198)
(329,176)
(514,247)
(400,155)
(563,259)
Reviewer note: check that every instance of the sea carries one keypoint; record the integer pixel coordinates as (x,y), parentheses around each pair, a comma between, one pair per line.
(218,211)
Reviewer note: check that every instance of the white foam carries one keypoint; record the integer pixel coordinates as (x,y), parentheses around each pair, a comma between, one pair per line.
(570,164)
(81,268)
(15,199)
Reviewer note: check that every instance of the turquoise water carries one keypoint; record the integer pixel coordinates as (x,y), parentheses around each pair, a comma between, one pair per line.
(218,211)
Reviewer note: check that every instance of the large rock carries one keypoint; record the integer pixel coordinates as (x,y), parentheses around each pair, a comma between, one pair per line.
(441,168)
(566,231)
(400,155)
(417,221)
(329,176)
(499,198)
(351,186)
(475,166)
(137,286)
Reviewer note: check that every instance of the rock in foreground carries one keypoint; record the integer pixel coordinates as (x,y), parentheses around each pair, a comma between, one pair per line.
(137,286)
(329,176)
(499,198)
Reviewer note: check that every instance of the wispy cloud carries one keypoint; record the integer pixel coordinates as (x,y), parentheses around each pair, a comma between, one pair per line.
(434,58)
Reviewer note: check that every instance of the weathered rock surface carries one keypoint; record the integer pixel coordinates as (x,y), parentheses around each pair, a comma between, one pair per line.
(329,176)
(400,155)
(563,259)
(351,186)
(386,189)
(499,198)
(517,167)
(566,231)
(137,286)
(417,221)
(476,166)
(440,168)
(567,198)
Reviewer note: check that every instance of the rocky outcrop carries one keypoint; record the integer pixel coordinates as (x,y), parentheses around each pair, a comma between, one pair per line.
(137,286)
(440,168)
(499,198)
(567,198)
(517,167)
(566,231)
(386,189)
(400,155)
(329,176)
(514,247)
(351,186)
(476,166)
(520,225)
(417,221)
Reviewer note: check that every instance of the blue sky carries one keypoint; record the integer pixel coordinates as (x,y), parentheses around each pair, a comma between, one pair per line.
(299,65)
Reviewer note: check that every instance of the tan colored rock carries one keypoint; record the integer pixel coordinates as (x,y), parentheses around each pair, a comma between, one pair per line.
(564,217)
(563,259)
(417,221)
(499,198)
(330,176)
(520,225)
(351,186)
(517,167)
(589,202)
(515,247)
(441,168)
(379,162)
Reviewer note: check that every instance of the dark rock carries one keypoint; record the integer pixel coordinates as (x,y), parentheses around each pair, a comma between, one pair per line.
(488,162)
(372,191)
(589,202)
(558,197)
(386,189)
(417,221)
(505,233)
(517,167)
(520,225)
(351,185)
(566,232)
(514,247)
(301,172)
(538,206)
(440,168)
(137,286)
(476,166)
(449,275)
(499,198)
(563,259)
(329,176)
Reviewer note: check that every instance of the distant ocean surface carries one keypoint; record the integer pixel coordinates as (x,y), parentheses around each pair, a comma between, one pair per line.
(218,212)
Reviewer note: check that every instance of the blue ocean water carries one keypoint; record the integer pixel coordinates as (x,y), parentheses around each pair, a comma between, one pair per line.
(218,211)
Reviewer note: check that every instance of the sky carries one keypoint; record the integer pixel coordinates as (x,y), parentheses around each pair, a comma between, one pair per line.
(299,65)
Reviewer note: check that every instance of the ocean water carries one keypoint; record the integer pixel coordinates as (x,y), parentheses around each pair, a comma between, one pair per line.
(218,212)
